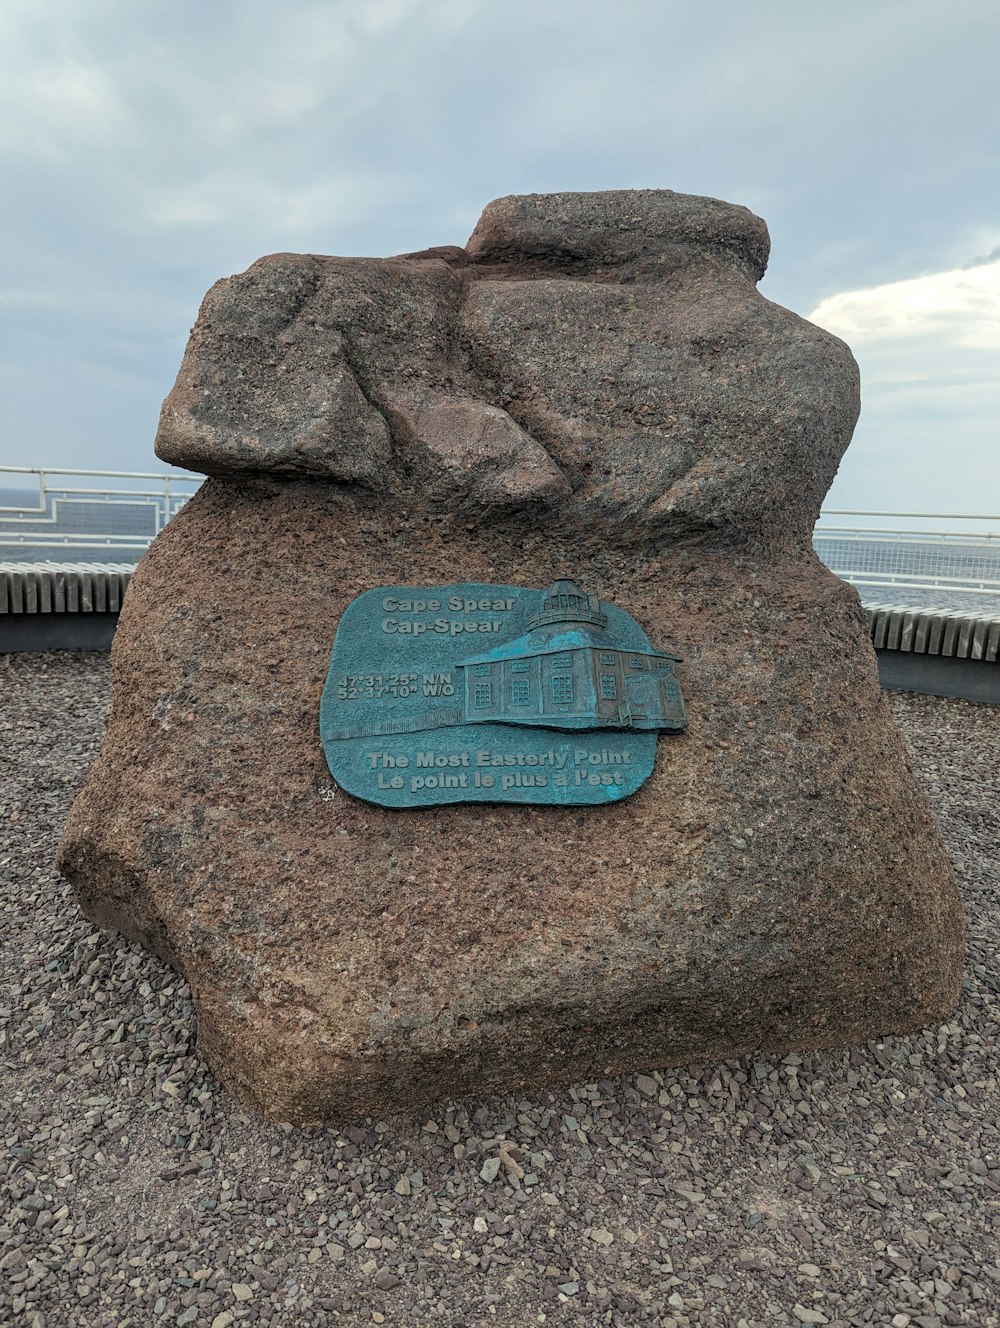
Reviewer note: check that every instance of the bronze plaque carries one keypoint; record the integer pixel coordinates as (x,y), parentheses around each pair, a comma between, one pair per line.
(494,693)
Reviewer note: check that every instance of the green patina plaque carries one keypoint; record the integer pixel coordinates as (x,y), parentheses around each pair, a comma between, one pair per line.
(493,693)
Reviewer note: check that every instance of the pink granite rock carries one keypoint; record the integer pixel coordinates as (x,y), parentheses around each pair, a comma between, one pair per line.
(474,452)
(596,388)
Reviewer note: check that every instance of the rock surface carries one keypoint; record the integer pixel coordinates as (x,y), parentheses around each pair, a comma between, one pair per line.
(621,332)
(596,387)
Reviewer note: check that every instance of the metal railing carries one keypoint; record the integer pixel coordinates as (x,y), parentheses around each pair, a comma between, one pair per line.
(912,557)
(124,516)
(67,513)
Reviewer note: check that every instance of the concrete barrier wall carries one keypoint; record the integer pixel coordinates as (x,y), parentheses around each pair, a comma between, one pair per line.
(73,588)
(946,632)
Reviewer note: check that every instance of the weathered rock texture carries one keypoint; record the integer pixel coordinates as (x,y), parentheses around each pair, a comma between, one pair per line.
(595,387)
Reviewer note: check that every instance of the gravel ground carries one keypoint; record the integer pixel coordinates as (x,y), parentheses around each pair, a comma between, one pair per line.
(847,1187)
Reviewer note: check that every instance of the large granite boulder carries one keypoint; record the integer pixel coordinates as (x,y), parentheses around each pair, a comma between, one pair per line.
(593,387)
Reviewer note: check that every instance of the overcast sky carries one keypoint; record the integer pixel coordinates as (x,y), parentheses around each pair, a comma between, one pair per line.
(150,148)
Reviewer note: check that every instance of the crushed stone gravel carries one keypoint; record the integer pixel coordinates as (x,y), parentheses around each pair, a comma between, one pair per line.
(845,1187)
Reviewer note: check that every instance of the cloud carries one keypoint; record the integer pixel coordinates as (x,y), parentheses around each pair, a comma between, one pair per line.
(958,309)
(227,197)
(149,149)
(927,347)
(50,108)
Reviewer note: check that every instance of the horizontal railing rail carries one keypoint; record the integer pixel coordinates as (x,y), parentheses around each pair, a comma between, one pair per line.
(908,582)
(67,511)
(60,514)
(912,557)
(987,537)
(911,516)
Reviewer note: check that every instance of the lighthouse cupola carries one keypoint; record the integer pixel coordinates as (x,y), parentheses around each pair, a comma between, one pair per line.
(566,602)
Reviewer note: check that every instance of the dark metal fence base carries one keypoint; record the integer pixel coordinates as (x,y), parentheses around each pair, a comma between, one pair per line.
(30,632)
(940,675)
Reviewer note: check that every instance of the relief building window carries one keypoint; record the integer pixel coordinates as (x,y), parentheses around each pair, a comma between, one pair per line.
(562,687)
